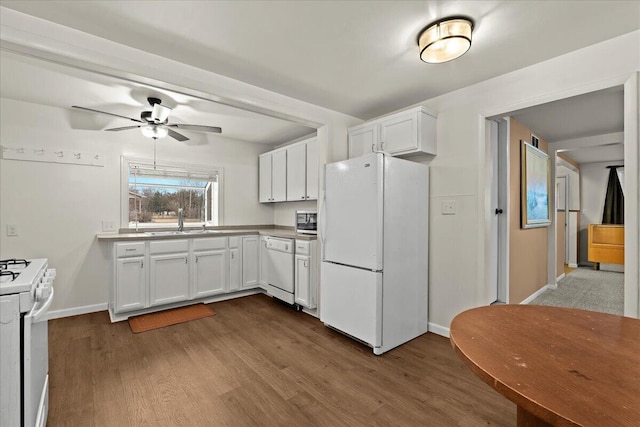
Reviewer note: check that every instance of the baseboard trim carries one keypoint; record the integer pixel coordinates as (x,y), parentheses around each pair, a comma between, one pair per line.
(439,330)
(560,277)
(573,265)
(75,311)
(536,293)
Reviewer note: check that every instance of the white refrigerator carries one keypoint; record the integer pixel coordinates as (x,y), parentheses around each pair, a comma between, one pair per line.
(374,232)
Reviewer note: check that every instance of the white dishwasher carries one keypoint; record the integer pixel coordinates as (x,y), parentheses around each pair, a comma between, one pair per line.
(280,268)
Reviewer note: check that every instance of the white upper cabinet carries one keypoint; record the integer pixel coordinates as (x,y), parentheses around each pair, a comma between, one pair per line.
(296,172)
(279,176)
(363,140)
(290,173)
(302,170)
(312,169)
(273,176)
(265,178)
(405,133)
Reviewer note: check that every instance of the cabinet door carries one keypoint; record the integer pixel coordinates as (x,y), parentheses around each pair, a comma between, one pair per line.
(263,261)
(235,269)
(303,281)
(131,284)
(210,268)
(279,176)
(265,179)
(363,140)
(296,172)
(250,261)
(169,278)
(400,133)
(312,169)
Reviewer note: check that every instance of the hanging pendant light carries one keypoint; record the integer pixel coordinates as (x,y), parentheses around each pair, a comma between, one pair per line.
(445,40)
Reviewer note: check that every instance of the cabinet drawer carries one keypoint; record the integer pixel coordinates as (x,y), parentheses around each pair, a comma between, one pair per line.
(201,244)
(234,242)
(302,247)
(129,249)
(168,246)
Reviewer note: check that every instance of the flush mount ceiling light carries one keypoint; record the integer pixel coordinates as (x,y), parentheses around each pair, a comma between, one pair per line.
(446,39)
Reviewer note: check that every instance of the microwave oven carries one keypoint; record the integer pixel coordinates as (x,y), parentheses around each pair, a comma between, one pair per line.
(307,222)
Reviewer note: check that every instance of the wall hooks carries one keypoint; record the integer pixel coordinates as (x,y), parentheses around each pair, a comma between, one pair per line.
(33,154)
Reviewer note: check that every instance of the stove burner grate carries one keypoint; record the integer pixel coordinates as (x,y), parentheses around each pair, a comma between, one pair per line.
(9,273)
(5,263)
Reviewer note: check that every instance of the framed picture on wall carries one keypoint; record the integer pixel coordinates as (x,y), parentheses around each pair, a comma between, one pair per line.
(535,182)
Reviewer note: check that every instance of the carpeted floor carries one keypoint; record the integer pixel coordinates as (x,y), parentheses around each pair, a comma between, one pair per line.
(589,290)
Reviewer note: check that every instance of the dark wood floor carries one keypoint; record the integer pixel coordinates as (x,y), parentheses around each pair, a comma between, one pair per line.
(257,362)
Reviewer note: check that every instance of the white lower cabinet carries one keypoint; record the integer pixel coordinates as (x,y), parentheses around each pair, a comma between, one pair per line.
(306,274)
(209,267)
(263,265)
(131,284)
(209,270)
(168,278)
(250,251)
(235,264)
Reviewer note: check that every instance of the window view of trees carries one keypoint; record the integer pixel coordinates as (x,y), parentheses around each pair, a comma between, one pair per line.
(157,200)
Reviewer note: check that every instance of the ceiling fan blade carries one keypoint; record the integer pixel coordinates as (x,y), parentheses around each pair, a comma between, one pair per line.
(108,114)
(197,128)
(177,136)
(123,128)
(160,113)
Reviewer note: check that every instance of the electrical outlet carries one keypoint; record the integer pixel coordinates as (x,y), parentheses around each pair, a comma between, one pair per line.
(12,230)
(108,226)
(449,207)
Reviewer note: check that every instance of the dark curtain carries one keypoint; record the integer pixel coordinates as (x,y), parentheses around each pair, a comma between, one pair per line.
(614,201)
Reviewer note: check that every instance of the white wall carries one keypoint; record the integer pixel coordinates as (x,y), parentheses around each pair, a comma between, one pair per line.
(457,242)
(58,208)
(593,183)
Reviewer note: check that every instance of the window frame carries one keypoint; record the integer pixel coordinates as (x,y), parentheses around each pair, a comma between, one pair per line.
(125,163)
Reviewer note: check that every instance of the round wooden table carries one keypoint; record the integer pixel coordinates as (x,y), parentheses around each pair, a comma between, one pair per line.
(561,366)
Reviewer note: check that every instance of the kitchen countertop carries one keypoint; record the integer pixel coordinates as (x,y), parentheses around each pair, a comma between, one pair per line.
(285,233)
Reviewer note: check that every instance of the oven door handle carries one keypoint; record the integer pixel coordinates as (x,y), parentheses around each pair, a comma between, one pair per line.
(36,315)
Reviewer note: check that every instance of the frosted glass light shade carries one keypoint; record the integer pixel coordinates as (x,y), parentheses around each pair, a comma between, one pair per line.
(153,131)
(445,40)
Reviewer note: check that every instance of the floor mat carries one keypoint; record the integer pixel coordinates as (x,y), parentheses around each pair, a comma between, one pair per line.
(148,322)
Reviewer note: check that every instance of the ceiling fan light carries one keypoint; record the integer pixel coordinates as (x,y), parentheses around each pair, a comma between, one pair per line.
(153,131)
(445,40)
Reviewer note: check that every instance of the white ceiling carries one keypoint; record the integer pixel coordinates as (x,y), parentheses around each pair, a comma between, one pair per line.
(356,57)
(595,113)
(36,81)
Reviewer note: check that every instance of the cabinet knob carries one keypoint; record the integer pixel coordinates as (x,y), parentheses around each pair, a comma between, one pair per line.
(302,197)
(186,260)
(141,264)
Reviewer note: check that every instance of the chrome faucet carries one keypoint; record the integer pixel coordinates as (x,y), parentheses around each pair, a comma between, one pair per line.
(180,219)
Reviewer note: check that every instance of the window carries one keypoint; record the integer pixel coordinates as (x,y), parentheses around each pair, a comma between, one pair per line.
(155,195)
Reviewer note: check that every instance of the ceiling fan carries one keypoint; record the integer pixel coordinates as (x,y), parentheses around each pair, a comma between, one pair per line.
(155,123)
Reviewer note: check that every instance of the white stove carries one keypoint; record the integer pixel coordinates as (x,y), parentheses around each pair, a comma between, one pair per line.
(26,293)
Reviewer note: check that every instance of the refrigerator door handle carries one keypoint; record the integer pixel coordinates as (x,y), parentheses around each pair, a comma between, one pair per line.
(323,216)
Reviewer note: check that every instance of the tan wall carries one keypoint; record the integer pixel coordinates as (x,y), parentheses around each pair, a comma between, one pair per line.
(527,248)
(560,243)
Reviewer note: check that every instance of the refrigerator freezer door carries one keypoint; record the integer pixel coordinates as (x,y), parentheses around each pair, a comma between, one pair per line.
(351,301)
(353,205)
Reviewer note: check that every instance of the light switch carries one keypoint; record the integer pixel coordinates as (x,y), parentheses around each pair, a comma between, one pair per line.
(449,207)
(12,230)
(108,226)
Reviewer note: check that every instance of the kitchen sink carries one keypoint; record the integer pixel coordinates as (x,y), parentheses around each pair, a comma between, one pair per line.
(180,233)
(163,233)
